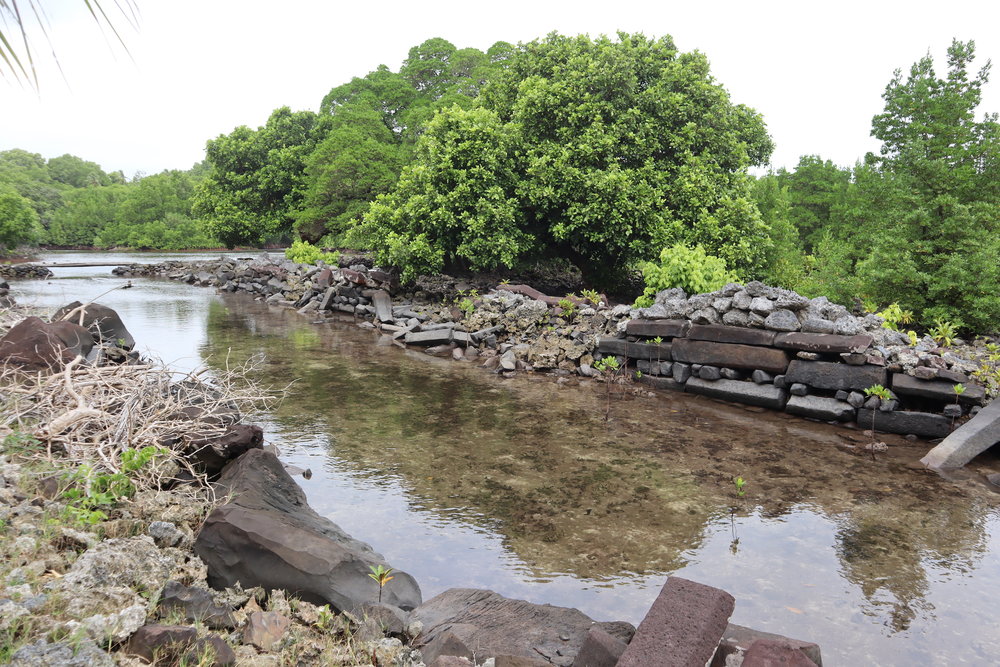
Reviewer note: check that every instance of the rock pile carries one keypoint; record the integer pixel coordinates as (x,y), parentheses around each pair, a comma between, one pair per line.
(24,271)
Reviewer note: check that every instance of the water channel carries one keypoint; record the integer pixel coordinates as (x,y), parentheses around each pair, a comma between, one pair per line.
(463,478)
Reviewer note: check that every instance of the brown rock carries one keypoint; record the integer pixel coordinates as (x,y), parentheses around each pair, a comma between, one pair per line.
(450,661)
(519,661)
(212,454)
(33,345)
(775,653)
(103,323)
(196,604)
(658,328)
(448,643)
(738,639)
(723,334)
(498,626)
(599,650)
(682,628)
(729,355)
(265,629)
(211,645)
(160,642)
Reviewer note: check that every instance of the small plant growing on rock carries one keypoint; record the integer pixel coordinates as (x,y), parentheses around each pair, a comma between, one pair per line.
(944,332)
(894,315)
(325,618)
(592,296)
(382,575)
(568,308)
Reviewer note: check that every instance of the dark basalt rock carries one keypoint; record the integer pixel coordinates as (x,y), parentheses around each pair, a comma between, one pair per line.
(461,618)
(34,345)
(104,324)
(267,535)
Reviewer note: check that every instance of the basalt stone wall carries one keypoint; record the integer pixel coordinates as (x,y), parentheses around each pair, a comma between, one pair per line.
(816,375)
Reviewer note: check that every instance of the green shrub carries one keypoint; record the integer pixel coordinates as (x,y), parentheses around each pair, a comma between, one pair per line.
(691,269)
(304,252)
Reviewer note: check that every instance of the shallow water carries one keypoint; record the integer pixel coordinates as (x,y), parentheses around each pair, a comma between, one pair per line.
(463,478)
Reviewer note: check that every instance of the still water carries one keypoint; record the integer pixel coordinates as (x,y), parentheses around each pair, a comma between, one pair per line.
(463,478)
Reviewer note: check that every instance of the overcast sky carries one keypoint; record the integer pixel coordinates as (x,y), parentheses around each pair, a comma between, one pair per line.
(199,68)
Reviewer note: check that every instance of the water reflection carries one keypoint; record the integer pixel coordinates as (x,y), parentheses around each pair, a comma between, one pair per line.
(827,539)
(466,479)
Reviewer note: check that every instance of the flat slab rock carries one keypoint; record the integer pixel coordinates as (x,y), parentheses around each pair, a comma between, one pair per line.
(823,343)
(969,440)
(728,355)
(723,334)
(818,407)
(464,619)
(835,376)
(938,390)
(658,328)
(682,628)
(738,391)
(923,424)
(737,640)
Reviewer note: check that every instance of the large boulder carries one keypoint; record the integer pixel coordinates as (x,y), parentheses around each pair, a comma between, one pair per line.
(104,323)
(35,345)
(267,535)
(462,620)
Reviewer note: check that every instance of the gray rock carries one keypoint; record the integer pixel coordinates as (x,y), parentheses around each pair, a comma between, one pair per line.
(952,410)
(780,382)
(709,373)
(812,324)
(848,326)
(681,372)
(855,399)
(818,407)
(781,320)
(798,389)
(165,534)
(722,305)
(755,288)
(742,300)
(762,306)
(736,318)
(733,374)
(791,301)
(707,315)
(764,395)
(81,652)
(808,356)
(762,377)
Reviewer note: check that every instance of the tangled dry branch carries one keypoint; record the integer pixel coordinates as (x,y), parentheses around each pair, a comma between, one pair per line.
(91,414)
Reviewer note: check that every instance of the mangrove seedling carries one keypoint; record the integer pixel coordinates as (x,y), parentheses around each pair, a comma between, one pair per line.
(739,483)
(382,575)
(568,308)
(592,296)
(883,394)
(608,366)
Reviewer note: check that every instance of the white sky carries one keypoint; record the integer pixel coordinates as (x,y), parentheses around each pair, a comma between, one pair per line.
(815,70)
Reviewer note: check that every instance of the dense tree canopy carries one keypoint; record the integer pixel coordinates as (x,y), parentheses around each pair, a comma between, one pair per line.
(600,151)
(18,220)
(256,181)
(375,122)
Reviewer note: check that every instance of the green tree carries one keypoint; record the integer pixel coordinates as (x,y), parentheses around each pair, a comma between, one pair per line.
(932,196)
(814,189)
(18,220)
(614,150)
(784,262)
(86,212)
(76,172)
(28,174)
(374,123)
(256,182)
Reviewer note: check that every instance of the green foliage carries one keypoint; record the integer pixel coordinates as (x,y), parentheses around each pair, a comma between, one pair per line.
(894,315)
(599,151)
(691,269)
(944,332)
(256,182)
(593,296)
(784,261)
(90,493)
(304,252)
(815,189)
(607,364)
(76,172)
(878,391)
(18,220)
(382,575)
(568,307)
(740,485)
